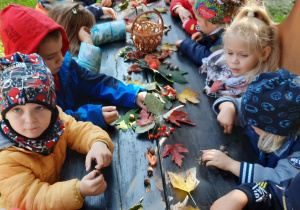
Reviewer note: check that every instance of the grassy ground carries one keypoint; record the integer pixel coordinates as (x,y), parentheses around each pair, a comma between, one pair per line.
(279,9)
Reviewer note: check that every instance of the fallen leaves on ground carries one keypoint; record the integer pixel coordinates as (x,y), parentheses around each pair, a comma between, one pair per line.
(179,116)
(188,95)
(152,159)
(146,118)
(161,9)
(175,150)
(178,182)
(164,54)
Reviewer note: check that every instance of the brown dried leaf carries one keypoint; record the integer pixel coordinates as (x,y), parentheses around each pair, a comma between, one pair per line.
(179,116)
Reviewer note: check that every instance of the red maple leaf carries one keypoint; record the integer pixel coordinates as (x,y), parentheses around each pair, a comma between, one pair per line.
(152,61)
(179,116)
(175,151)
(134,68)
(152,159)
(145,118)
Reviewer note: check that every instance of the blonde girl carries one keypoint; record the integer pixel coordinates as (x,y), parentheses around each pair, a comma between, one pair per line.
(269,113)
(84,35)
(251,47)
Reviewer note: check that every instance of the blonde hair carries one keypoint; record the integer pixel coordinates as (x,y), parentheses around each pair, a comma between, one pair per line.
(269,142)
(254,26)
(72,16)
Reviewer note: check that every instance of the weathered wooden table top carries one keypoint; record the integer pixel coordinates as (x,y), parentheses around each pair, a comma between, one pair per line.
(125,176)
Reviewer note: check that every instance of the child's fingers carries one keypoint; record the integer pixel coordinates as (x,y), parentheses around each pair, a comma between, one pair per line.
(90,175)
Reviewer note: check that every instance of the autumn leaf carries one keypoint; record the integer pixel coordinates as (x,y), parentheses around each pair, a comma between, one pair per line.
(152,61)
(152,159)
(169,47)
(179,116)
(175,150)
(189,207)
(188,95)
(161,9)
(164,54)
(178,182)
(134,68)
(154,104)
(123,122)
(146,118)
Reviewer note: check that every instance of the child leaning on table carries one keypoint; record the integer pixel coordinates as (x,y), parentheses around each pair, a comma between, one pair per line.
(211,15)
(49,40)
(84,35)
(35,134)
(266,195)
(269,113)
(251,47)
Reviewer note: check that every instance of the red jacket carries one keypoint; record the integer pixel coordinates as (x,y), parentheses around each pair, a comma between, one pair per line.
(184,3)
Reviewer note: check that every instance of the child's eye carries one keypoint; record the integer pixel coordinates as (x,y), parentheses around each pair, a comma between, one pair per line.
(17,110)
(229,53)
(50,58)
(39,108)
(245,55)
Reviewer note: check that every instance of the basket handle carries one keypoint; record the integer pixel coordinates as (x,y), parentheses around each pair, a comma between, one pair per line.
(143,13)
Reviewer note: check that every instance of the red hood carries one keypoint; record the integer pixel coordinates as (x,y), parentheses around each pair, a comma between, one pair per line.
(23,28)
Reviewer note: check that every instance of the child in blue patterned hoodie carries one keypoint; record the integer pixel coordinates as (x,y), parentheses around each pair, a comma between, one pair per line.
(269,113)
(84,35)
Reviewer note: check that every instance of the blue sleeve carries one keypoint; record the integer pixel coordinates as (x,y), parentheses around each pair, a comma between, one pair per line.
(96,10)
(89,112)
(194,50)
(87,2)
(108,32)
(101,86)
(89,57)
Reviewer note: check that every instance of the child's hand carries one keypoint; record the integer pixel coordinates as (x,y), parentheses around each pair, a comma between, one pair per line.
(92,185)
(235,199)
(197,37)
(140,99)
(183,13)
(84,35)
(110,114)
(227,116)
(100,153)
(104,3)
(177,44)
(109,12)
(220,160)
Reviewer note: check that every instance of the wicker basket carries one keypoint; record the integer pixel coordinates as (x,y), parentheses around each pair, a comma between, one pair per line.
(147,35)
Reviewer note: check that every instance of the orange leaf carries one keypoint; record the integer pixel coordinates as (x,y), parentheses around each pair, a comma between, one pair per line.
(179,116)
(151,158)
(152,61)
(175,150)
(134,68)
(188,95)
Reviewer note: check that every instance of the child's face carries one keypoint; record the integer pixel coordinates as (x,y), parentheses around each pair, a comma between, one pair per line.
(205,26)
(239,59)
(51,53)
(29,120)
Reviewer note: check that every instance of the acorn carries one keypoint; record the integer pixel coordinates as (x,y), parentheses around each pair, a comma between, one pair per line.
(176,67)
(169,75)
(171,67)
(226,153)
(146,181)
(223,148)
(131,117)
(151,151)
(150,171)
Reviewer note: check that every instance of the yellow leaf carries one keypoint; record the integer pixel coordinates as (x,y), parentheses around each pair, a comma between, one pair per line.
(169,47)
(178,182)
(135,82)
(188,95)
(189,207)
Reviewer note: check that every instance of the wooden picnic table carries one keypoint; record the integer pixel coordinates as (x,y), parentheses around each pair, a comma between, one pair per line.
(125,176)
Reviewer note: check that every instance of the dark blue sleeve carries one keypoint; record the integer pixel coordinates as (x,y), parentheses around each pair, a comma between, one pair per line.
(194,50)
(101,86)
(96,10)
(87,2)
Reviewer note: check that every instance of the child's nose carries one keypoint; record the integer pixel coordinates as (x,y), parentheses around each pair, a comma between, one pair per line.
(234,59)
(29,117)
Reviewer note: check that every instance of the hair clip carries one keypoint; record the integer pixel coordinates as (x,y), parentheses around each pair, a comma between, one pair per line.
(74,11)
(250,14)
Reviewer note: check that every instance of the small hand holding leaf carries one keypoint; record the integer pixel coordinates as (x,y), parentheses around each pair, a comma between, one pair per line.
(175,150)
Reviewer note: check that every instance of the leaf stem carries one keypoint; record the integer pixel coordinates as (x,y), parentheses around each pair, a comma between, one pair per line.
(192,198)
